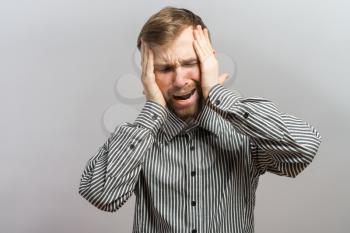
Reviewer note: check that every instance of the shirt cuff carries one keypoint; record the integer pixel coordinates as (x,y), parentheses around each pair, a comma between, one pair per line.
(209,119)
(152,116)
(222,99)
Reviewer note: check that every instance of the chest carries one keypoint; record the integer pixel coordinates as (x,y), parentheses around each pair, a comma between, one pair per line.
(208,156)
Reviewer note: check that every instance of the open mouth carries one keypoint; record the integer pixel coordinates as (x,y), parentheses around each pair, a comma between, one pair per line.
(184,97)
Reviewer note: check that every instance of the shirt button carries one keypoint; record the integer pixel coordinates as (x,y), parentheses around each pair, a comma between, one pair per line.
(154,117)
(194,231)
(192,148)
(193,173)
(217,102)
(246,115)
(193,203)
(132,146)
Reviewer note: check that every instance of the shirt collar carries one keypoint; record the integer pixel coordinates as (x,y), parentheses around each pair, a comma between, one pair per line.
(174,125)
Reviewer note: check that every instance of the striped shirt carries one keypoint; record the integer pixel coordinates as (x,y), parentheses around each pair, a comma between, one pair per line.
(201,175)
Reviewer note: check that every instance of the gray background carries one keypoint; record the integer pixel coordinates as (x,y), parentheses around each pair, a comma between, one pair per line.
(60,61)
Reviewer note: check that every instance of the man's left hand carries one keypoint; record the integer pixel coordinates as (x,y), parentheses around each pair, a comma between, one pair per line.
(208,63)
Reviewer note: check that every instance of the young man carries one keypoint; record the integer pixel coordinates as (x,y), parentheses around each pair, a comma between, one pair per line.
(195,152)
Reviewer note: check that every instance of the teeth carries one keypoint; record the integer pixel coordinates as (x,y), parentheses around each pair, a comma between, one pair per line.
(183,97)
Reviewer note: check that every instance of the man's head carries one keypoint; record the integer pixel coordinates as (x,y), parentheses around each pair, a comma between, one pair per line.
(169,34)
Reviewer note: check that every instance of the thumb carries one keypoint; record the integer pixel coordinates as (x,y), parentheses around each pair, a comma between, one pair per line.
(223,78)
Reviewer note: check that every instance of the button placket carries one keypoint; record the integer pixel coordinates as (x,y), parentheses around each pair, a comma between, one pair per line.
(193,202)
(192,149)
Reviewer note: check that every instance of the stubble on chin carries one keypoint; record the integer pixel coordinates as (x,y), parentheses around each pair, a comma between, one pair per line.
(186,113)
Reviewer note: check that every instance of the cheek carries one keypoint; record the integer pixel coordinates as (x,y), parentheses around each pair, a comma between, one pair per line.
(194,73)
(164,83)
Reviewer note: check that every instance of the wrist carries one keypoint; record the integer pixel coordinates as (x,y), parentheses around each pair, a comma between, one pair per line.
(207,90)
(157,100)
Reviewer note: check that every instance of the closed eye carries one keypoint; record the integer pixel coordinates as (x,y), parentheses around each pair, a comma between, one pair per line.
(168,69)
(164,70)
(192,64)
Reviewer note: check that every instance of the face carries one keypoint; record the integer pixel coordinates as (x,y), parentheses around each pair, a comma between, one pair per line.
(177,72)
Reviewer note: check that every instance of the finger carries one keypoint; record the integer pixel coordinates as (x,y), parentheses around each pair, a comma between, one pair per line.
(199,50)
(223,78)
(146,54)
(143,56)
(205,30)
(200,42)
(206,33)
(203,41)
(150,67)
(199,36)
(146,59)
(200,31)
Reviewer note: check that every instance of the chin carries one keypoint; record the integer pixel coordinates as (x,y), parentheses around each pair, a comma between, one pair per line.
(186,115)
(188,112)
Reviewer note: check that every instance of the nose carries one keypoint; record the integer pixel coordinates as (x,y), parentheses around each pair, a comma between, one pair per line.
(180,79)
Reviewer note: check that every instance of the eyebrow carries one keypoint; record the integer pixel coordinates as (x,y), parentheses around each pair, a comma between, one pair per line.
(189,60)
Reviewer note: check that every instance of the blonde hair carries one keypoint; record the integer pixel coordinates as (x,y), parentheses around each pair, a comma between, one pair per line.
(164,26)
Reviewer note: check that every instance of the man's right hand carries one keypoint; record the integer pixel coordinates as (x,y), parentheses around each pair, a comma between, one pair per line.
(150,87)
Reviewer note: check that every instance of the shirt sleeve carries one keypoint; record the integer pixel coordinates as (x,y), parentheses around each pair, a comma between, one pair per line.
(280,143)
(109,177)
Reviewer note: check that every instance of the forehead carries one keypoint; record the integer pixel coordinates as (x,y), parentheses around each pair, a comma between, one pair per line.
(180,49)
